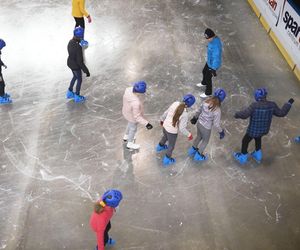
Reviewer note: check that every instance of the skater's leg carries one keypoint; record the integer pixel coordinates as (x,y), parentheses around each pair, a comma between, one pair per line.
(2,86)
(164,138)
(73,80)
(171,143)
(205,137)
(204,74)
(79,21)
(106,236)
(78,75)
(245,142)
(131,128)
(258,143)
(199,136)
(208,77)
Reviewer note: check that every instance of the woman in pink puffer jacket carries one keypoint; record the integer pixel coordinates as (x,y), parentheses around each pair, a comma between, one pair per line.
(133,112)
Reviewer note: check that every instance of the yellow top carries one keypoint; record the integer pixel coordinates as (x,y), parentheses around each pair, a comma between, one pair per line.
(78,9)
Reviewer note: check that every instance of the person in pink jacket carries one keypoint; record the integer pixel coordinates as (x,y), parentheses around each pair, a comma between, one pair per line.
(133,112)
(100,219)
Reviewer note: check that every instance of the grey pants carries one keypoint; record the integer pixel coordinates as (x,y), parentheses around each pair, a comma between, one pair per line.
(203,135)
(131,130)
(171,138)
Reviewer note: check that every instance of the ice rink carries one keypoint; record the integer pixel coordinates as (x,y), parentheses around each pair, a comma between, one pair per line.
(57,157)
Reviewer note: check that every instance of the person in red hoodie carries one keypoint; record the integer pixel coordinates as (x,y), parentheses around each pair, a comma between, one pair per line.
(100,219)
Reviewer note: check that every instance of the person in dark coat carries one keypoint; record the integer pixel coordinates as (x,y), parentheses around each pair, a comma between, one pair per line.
(76,64)
(4,97)
(260,113)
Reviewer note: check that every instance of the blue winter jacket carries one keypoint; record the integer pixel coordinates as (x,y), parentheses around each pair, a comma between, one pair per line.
(214,53)
(261,114)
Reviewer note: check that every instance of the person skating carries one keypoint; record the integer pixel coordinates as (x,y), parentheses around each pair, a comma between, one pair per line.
(173,119)
(213,61)
(76,64)
(4,97)
(260,112)
(101,216)
(133,112)
(79,12)
(208,115)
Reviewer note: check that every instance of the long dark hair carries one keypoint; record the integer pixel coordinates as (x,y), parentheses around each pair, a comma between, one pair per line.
(178,112)
(214,103)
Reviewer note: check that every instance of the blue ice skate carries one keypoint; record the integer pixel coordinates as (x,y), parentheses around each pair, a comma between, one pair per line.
(110,242)
(192,151)
(241,158)
(168,161)
(199,157)
(297,139)
(84,43)
(161,148)
(70,94)
(5,100)
(6,95)
(257,155)
(79,98)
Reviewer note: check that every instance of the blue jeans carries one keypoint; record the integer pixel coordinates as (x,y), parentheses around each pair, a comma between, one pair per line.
(77,75)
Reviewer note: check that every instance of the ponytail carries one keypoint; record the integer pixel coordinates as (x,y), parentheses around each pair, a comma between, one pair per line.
(214,102)
(178,112)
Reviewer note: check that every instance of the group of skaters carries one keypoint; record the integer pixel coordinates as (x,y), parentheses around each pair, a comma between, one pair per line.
(173,120)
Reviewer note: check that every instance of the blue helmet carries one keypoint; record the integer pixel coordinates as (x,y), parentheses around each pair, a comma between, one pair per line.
(260,94)
(112,197)
(189,100)
(140,87)
(78,32)
(2,44)
(220,93)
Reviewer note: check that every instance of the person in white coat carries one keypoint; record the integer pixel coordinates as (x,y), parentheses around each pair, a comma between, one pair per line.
(133,112)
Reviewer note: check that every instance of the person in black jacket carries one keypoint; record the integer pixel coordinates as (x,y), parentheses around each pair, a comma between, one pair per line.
(76,64)
(260,113)
(4,97)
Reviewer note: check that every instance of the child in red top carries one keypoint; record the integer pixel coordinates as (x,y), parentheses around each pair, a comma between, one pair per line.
(100,219)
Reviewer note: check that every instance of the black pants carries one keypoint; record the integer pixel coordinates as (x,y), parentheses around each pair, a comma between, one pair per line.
(77,75)
(247,139)
(2,85)
(79,21)
(106,236)
(207,79)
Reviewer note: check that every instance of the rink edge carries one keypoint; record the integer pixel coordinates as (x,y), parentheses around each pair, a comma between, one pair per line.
(287,57)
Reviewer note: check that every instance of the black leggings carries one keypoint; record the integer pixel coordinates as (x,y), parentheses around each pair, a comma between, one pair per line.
(79,21)
(2,85)
(207,79)
(247,139)
(106,236)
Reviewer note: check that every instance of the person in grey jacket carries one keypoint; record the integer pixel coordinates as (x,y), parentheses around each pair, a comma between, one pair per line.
(208,115)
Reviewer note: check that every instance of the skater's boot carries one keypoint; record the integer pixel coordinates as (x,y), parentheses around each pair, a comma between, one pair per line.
(131,145)
(297,139)
(70,94)
(6,95)
(241,158)
(79,98)
(110,242)
(168,161)
(199,157)
(161,147)
(257,155)
(5,100)
(192,151)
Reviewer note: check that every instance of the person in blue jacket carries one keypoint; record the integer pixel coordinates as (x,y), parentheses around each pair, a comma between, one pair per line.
(213,63)
(260,113)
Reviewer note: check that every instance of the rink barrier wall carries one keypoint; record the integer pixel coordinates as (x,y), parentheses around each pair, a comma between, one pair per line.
(295,68)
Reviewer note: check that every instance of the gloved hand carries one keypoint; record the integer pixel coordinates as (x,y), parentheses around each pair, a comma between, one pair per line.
(222,134)
(89,19)
(291,101)
(161,123)
(149,126)
(213,72)
(194,120)
(190,137)
(88,74)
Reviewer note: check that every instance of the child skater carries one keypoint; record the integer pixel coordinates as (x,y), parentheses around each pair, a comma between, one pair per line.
(4,97)
(100,219)
(297,139)
(260,113)
(208,115)
(174,118)
(133,112)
